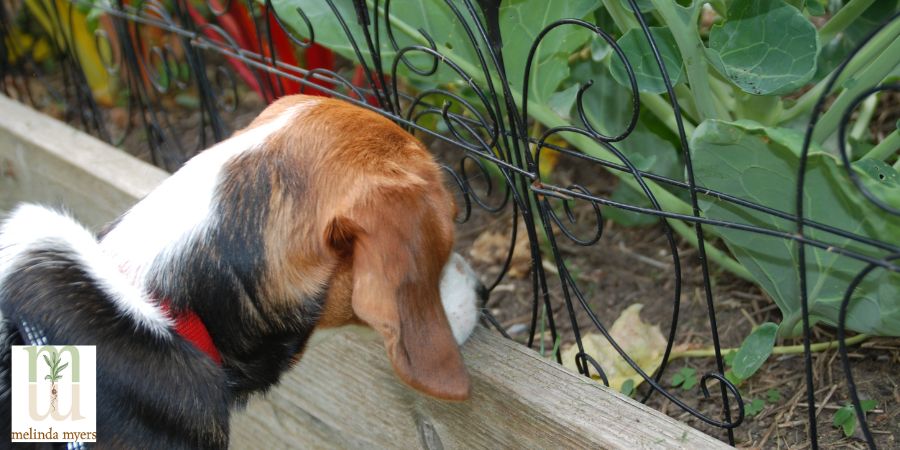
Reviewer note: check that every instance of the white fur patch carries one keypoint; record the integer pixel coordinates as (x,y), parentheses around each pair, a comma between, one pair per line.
(32,227)
(181,206)
(459,294)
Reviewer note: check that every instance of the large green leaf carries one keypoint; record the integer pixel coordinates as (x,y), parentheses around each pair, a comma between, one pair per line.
(760,164)
(520,22)
(765,47)
(639,53)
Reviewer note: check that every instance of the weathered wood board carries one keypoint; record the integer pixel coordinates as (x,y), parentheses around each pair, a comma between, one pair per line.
(46,161)
(343,394)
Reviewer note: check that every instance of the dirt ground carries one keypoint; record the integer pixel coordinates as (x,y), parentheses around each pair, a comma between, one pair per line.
(627,266)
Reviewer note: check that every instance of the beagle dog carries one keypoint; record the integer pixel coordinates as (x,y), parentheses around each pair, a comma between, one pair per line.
(316,215)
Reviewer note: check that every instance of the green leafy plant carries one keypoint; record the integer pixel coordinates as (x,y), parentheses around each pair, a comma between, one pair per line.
(754,407)
(686,378)
(627,387)
(746,88)
(845,418)
(751,355)
(54,376)
(747,360)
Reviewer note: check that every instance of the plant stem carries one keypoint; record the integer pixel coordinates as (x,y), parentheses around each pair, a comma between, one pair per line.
(861,61)
(724,94)
(844,17)
(691,47)
(53,396)
(885,148)
(581,55)
(662,109)
(764,109)
(866,110)
(621,16)
(874,72)
(781,350)
(687,103)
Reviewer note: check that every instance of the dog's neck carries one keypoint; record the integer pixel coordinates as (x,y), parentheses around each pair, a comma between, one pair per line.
(201,247)
(219,276)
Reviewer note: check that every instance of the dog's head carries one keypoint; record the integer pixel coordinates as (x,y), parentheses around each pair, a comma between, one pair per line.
(372,222)
(316,215)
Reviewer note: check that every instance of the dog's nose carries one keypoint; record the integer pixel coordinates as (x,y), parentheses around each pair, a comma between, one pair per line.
(483,293)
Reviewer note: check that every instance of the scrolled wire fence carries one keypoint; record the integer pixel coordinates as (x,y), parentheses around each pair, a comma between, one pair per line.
(153,50)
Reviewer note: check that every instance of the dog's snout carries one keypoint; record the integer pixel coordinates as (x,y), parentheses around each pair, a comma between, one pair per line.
(461,293)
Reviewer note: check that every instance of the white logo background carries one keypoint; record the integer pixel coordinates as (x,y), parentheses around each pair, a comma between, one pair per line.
(78,418)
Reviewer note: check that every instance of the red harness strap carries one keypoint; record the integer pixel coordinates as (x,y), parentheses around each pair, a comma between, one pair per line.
(191,328)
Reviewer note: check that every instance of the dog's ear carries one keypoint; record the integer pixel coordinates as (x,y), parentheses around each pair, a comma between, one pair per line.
(399,244)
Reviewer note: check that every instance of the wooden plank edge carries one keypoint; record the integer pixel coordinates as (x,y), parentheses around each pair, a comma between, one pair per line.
(46,161)
(343,394)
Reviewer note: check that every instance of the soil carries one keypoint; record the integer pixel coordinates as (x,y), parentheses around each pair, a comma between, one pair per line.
(627,266)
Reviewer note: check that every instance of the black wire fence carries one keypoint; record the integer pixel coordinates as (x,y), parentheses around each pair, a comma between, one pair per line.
(156,49)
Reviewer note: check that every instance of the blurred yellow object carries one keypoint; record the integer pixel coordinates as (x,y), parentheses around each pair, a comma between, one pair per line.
(19,44)
(549,156)
(642,342)
(65,25)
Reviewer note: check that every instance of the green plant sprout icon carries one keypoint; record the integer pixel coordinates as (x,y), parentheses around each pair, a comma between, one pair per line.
(55,375)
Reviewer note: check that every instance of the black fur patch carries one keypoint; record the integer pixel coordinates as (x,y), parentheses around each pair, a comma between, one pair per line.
(219,276)
(151,392)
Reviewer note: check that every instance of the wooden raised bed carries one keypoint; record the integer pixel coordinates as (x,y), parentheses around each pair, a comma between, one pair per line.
(344,393)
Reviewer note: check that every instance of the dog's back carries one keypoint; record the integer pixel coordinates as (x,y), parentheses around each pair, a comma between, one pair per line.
(57,287)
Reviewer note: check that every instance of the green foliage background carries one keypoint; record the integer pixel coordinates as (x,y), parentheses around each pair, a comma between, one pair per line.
(746,73)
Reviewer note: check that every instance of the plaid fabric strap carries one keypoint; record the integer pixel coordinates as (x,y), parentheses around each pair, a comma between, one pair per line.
(35,336)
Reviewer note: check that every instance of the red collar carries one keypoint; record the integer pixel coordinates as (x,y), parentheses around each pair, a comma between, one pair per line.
(191,328)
